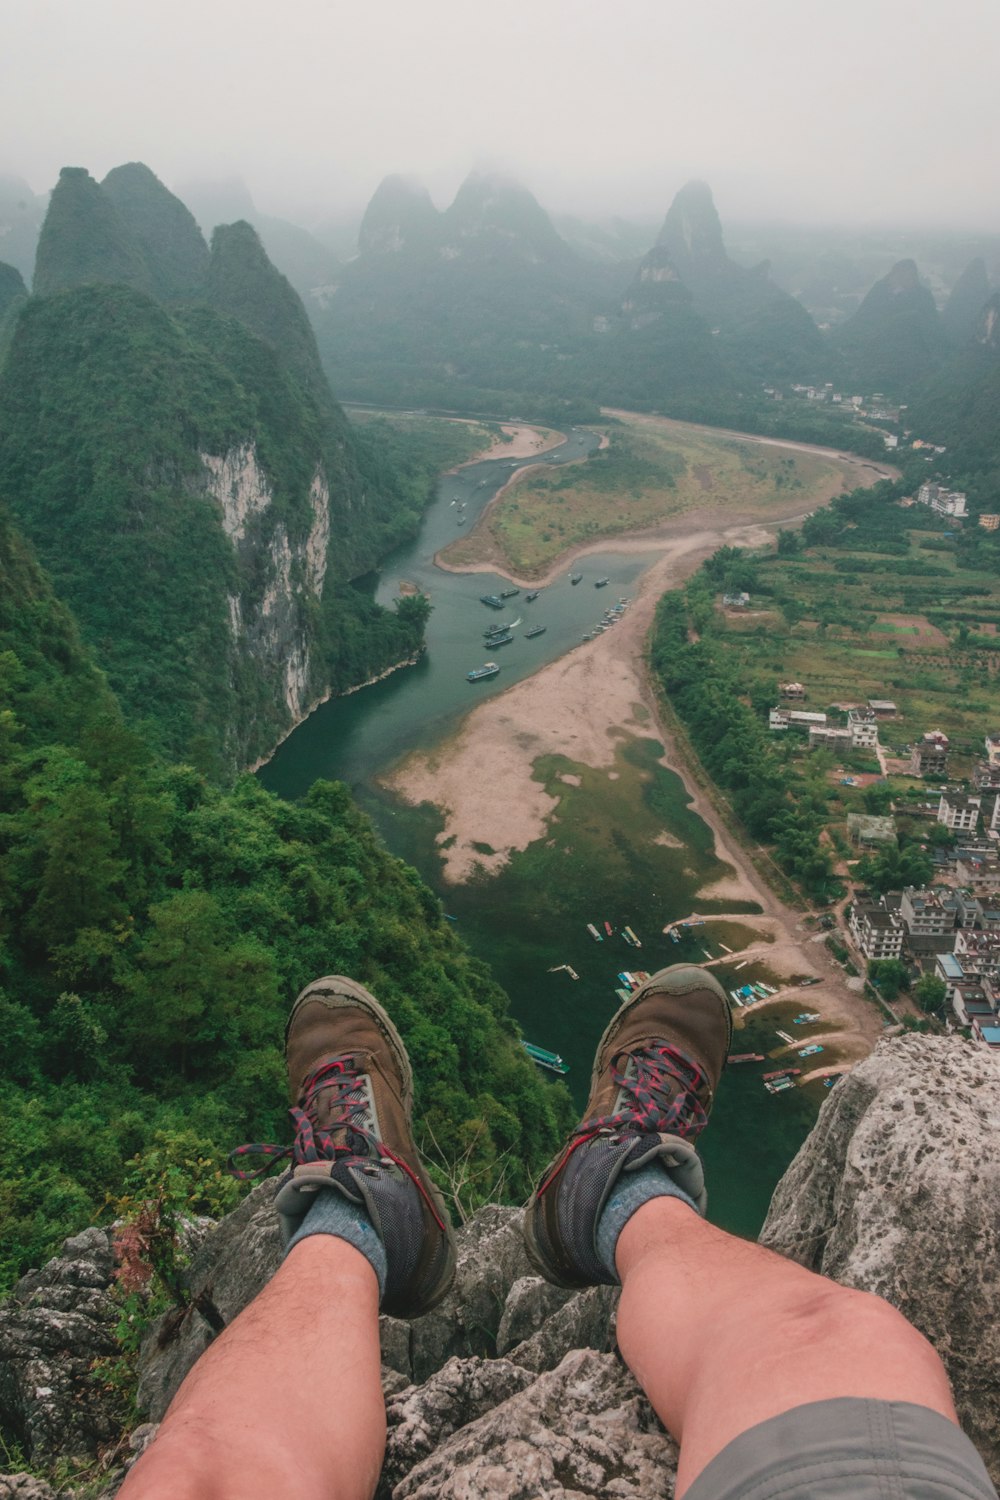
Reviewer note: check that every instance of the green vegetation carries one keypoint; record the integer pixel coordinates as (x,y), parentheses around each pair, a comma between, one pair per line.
(154,930)
(652,470)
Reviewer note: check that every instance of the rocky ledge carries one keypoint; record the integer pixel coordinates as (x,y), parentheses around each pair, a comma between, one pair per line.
(512,1388)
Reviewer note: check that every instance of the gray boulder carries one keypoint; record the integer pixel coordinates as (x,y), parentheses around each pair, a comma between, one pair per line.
(586,1321)
(584,1429)
(530,1301)
(55,1323)
(422,1417)
(897,1191)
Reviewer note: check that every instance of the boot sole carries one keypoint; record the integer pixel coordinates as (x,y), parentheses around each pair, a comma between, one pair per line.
(340,993)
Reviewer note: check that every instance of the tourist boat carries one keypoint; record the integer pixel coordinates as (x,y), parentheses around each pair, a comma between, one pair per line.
(811,1050)
(544,1058)
(627,979)
(623,995)
(575,578)
(738,1057)
(489,669)
(491,600)
(608,928)
(630,937)
(503,638)
(493,630)
(587,637)
(594,933)
(807,1018)
(535,630)
(780,1073)
(601,583)
(508,593)
(674,935)
(530,598)
(461,520)
(779,1086)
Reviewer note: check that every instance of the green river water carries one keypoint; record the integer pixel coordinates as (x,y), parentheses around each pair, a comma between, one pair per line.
(605,857)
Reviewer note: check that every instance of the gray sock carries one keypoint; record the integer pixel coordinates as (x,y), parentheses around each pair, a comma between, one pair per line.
(334,1214)
(630,1192)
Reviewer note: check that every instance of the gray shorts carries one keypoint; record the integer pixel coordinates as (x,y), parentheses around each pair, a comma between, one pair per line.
(832,1450)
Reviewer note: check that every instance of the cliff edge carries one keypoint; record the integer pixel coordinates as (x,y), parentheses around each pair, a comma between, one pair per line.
(513,1388)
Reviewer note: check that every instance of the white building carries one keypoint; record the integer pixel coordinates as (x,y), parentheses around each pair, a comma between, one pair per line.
(959,812)
(924,914)
(864,728)
(877,932)
(944,502)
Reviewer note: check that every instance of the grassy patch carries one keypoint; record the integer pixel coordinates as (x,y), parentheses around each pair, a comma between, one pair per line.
(647,474)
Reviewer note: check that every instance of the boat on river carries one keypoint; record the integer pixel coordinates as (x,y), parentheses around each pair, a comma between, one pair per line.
(575,578)
(491,601)
(738,1057)
(601,583)
(508,593)
(503,639)
(544,1058)
(530,598)
(488,669)
(535,630)
(594,933)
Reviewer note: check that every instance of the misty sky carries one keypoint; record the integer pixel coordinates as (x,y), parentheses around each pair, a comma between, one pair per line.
(855,111)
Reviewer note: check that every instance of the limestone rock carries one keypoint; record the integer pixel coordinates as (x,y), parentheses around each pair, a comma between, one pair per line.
(529,1302)
(234,1262)
(584,1322)
(421,1418)
(27,1487)
(491,1257)
(55,1323)
(583,1429)
(896,1191)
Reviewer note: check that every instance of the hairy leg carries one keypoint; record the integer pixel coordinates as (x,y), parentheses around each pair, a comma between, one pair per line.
(723,1334)
(287,1402)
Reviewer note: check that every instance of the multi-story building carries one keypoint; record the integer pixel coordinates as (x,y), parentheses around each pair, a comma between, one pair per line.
(830,737)
(989,521)
(864,728)
(986,777)
(797,718)
(979,954)
(944,501)
(958,811)
(924,913)
(992,743)
(877,932)
(930,754)
(979,873)
(791,690)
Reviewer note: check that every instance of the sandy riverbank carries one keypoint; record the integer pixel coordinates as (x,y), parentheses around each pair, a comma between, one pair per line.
(581,706)
(518,441)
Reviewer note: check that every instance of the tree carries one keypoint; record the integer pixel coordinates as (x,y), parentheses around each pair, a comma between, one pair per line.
(930,993)
(889,976)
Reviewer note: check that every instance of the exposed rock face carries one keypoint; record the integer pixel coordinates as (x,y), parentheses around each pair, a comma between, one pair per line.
(895,1192)
(272,629)
(511,1388)
(57,1321)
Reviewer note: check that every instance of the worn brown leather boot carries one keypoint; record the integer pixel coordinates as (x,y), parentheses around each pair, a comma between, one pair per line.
(655,1075)
(352,1090)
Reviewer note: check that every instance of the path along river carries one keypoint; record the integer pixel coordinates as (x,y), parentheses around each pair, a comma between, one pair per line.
(616,836)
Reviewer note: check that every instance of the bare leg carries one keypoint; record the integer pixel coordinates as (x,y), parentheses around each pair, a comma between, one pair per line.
(287,1402)
(722,1334)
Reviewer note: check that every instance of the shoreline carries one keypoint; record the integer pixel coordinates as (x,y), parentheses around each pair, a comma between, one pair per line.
(582,705)
(648,538)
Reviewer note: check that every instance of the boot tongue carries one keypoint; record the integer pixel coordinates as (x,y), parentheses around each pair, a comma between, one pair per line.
(342,1105)
(641,1088)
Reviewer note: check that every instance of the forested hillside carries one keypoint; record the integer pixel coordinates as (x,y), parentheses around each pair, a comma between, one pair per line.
(153,930)
(169,442)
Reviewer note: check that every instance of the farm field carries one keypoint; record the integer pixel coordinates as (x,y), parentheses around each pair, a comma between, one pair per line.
(918,631)
(651,471)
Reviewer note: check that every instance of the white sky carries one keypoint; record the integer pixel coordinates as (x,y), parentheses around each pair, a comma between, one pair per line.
(853,111)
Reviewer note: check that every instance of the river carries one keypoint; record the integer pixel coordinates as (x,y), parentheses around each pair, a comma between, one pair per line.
(533,916)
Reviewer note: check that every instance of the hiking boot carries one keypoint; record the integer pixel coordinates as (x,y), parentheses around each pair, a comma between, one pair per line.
(655,1075)
(352,1089)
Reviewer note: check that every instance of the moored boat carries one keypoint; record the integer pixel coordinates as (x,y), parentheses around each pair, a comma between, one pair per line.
(598,938)
(575,578)
(601,583)
(738,1057)
(535,630)
(544,1058)
(508,593)
(491,601)
(488,669)
(530,598)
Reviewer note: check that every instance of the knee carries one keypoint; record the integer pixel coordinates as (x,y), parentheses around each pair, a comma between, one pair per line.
(844,1318)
